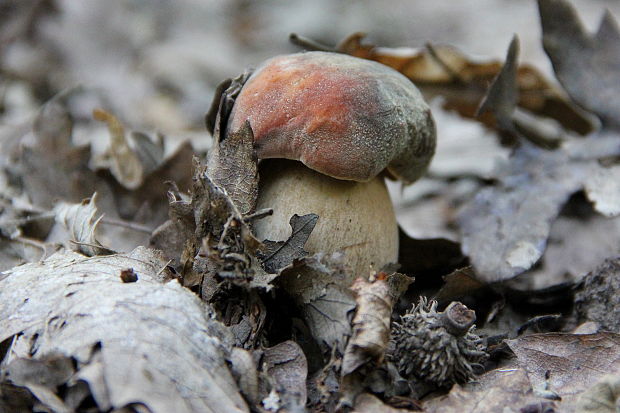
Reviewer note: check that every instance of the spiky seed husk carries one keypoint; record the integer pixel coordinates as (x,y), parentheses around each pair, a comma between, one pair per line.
(423,348)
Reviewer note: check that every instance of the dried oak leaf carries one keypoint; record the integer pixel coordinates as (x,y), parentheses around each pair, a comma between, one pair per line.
(80,223)
(150,342)
(445,71)
(43,376)
(279,254)
(567,364)
(586,65)
(505,228)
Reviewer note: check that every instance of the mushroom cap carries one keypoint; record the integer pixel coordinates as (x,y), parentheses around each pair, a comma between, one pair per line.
(345,117)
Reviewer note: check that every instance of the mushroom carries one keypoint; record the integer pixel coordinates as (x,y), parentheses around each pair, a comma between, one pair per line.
(329,127)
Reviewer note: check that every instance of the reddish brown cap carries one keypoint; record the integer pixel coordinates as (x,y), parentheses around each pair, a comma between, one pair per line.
(343,116)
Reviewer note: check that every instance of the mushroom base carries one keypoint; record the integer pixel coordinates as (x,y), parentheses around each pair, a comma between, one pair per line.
(356,218)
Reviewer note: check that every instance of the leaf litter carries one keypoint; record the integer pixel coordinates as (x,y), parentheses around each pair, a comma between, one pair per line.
(220,320)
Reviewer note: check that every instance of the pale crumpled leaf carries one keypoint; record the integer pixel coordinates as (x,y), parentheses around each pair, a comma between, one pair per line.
(586,65)
(369,403)
(79,220)
(572,362)
(503,390)
(151,342)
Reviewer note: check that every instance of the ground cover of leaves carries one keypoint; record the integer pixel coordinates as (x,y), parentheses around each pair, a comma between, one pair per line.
(131,279)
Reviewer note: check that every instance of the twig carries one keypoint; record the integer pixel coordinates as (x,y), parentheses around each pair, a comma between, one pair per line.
(126,224)
(453,73)
(309,44)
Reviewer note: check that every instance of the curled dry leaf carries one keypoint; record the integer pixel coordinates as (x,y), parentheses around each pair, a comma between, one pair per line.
(567,364)
(445,71)
(586,65)
(151,342)
(125,165)
(79,220)
(370,325)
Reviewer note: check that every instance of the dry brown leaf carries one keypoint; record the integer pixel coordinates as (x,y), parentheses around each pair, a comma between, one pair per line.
(567,364)
(504,390)
(505,228)
(319,289)
(232,165)
(576,245)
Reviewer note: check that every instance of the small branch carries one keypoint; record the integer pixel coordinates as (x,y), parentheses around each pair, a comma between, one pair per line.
(126,224)
(309,44)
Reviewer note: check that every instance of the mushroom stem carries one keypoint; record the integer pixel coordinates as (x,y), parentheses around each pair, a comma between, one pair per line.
(356,218)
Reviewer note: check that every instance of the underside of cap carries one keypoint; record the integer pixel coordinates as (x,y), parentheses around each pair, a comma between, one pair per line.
(345,117)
